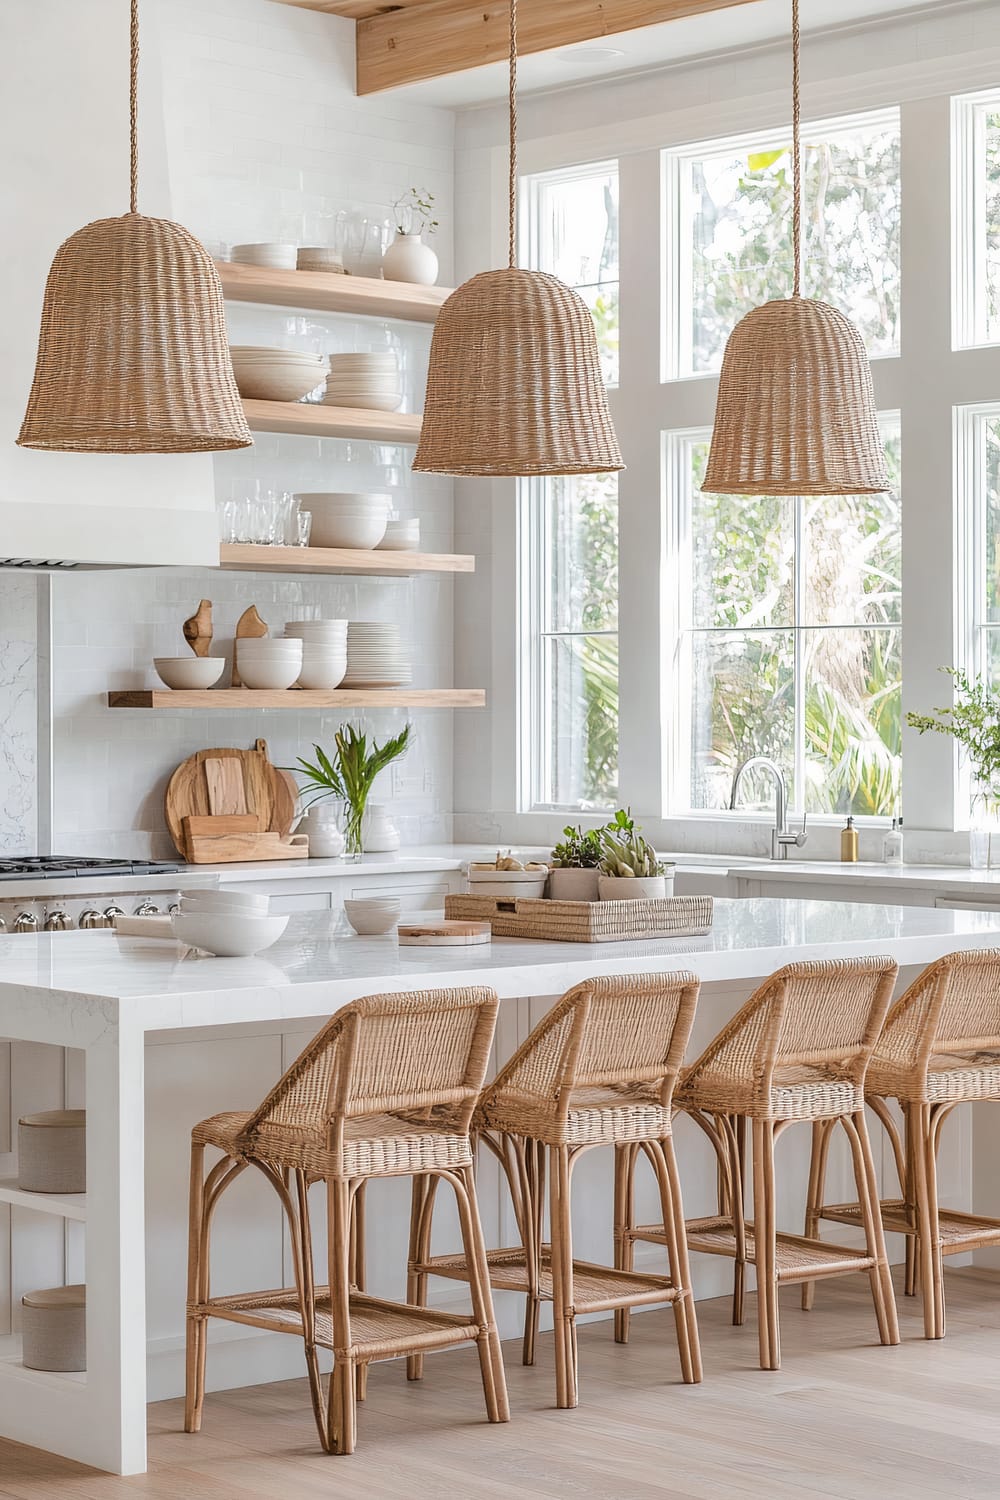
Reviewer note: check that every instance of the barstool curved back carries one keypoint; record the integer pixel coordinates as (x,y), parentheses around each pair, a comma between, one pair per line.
(949,1015)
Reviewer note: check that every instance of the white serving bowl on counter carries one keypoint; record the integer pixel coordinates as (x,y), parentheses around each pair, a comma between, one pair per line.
(371,916)
(193,673)
(227,934)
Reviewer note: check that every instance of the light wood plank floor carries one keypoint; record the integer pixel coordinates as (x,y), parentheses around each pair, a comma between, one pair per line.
(844,1418)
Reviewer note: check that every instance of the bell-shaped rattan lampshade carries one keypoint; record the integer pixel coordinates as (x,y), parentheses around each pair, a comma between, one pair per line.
(795,413)
(514,385)
(132,353)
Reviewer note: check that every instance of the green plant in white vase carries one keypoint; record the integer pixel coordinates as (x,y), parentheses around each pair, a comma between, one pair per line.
(349,776)
(973,721)
(630,868)
(408,258)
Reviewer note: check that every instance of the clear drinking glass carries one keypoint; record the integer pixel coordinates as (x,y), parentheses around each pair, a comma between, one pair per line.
(303,523)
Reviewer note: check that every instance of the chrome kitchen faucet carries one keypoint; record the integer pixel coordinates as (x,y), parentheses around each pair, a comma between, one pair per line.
(780,837)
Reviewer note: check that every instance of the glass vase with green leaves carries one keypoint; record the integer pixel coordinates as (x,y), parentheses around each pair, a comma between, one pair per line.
(973,721)
(349,776)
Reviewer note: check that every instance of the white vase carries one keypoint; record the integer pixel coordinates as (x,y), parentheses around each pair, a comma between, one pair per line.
(379,834)
(322,824)
(573,884)
(409,259)
(635,887)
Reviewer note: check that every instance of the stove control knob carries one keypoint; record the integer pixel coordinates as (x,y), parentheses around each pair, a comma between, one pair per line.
(91,918)
(26,921)
(147,909)
(57,921)
(111,912)
(174,906)
(3,925)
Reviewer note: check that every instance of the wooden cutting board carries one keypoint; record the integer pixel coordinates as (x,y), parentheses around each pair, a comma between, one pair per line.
(266,793)
(443,934)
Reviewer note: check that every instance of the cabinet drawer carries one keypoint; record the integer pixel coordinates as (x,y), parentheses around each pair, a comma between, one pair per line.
(421,895)
(303,901)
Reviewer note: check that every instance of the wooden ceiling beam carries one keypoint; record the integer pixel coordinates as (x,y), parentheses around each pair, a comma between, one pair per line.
(431,38)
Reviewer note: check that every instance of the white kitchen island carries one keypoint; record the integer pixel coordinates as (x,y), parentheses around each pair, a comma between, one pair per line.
(152,1037)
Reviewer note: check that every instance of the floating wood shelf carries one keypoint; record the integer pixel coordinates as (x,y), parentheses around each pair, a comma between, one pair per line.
(297,699)
(326,291)
(249,558)
(313,419)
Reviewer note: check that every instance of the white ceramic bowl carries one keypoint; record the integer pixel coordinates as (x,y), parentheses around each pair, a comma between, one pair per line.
(192,672)
(371,917)
(249,901)
(226,934)
(333,501)
(269,677)
(279,649)
(267,253)
(507,883)
(271,384)
(323,675)
(363,532)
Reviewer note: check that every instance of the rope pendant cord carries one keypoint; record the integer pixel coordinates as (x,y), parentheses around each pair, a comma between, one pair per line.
(133,109)
(796,159)
(512,185)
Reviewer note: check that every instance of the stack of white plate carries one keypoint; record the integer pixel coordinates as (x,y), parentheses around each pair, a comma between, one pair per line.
(231,924)
(269,665)
(319,258)
(401,536)
(276,374)
(368,380)
(340,520)
(375,656)
(324,652)
(280,257)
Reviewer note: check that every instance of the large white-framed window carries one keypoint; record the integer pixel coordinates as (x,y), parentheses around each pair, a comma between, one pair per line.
(728,243)
(976,218)
(568,592)
(786,636)
(977,441)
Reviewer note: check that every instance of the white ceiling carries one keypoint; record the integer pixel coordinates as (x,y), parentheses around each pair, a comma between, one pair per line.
(760,22)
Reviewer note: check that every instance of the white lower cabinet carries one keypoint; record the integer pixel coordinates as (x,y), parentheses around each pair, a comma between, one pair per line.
(417,892)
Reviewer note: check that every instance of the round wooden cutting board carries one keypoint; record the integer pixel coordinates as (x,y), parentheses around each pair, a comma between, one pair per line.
(267,792)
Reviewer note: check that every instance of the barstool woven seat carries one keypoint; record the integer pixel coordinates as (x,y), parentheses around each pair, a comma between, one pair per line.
(797,1050)
(386,1089)
(598,1070)
(940,1048)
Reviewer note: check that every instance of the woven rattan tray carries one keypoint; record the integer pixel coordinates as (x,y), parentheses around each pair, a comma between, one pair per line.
(587,921)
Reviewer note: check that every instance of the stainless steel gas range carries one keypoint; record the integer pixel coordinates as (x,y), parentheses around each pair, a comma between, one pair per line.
(58,893)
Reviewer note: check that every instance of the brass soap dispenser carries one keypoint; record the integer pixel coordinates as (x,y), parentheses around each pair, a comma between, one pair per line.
(849,843)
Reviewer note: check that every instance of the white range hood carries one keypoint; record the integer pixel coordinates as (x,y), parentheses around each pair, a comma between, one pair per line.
(65,163)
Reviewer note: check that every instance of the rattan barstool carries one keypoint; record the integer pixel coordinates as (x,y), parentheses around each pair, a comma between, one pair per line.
(386,1089)
(598,1070)
(796,1051)
(940,1048)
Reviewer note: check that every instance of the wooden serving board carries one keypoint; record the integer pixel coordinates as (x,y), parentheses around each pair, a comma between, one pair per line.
(266,797)
(231,848)
(443,934)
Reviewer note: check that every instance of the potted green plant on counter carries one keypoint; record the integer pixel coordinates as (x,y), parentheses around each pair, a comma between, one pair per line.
(349,777)
(973,721)
(573,869)
(630,868)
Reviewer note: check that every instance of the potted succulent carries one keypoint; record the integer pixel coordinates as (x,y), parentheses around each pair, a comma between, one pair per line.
(348,778)
(630,869)
(408,258)
(573,865)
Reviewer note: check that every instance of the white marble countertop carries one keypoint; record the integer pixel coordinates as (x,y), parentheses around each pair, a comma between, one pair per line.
(158,985)
(944,877)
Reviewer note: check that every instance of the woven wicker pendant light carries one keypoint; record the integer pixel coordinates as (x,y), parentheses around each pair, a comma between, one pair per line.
(795,414)
(132,354)
(514,385)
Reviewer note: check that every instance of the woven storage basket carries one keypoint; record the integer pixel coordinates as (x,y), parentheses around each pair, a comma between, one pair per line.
(514,385)
(52,1152)
(54,1329)
(587,921)
(133,355)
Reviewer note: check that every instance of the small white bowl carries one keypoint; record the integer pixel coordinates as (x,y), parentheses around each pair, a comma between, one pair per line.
(248,901)
(361,532)
(370,916)
(190,672)
(278,650)
(225,934)
(323,677)
(269,678)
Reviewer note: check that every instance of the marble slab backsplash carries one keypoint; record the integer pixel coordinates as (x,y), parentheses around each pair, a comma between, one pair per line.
(18,713)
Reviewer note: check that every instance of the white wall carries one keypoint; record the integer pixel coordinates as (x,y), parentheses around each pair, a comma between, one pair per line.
(916,62)
(64,110)
(251,129)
